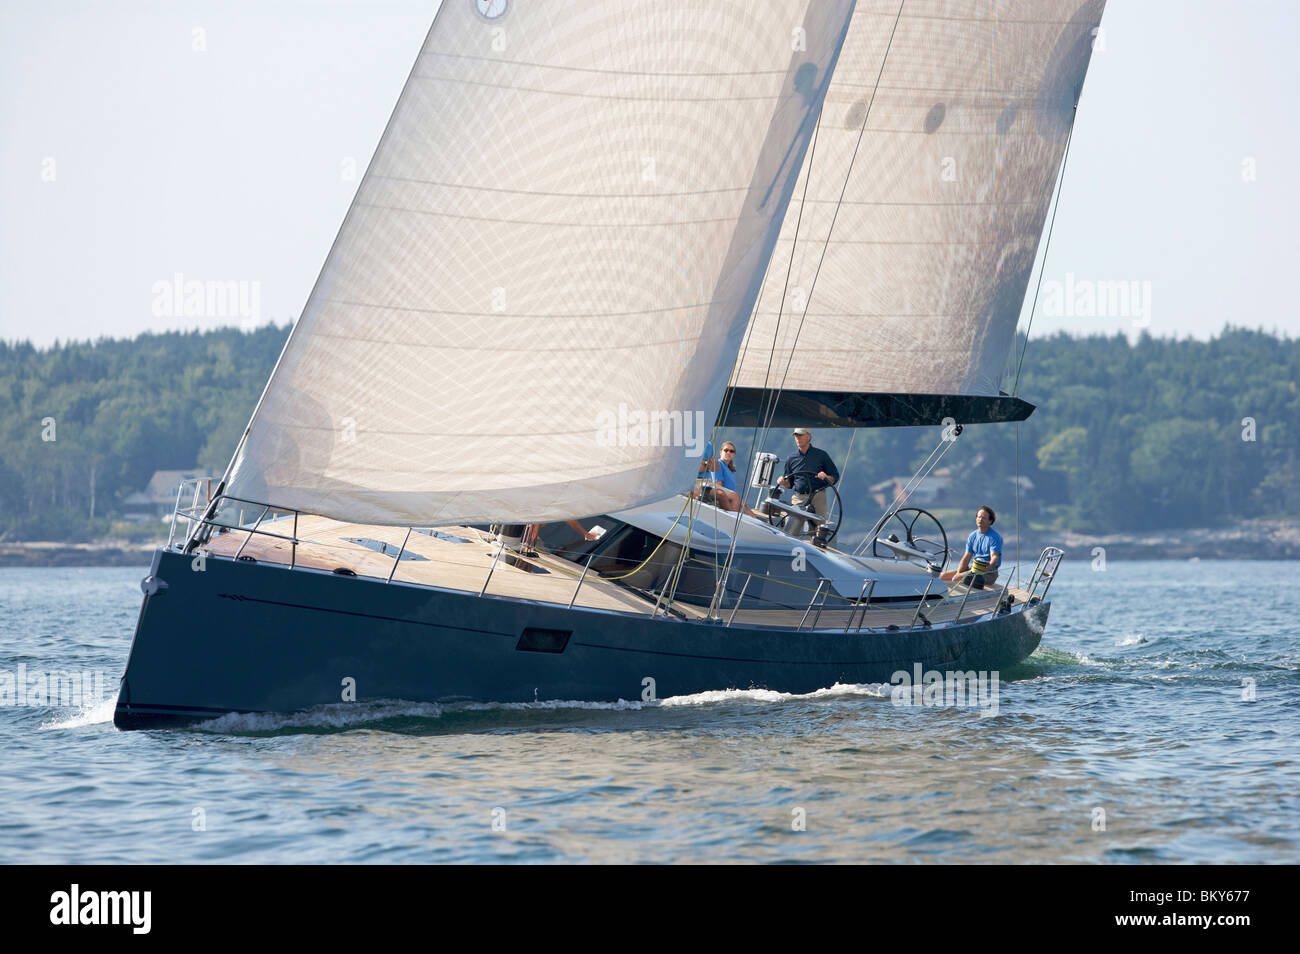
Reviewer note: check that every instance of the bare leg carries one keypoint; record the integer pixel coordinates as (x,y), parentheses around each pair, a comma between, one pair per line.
(962,568)
(732,501)
(989,577)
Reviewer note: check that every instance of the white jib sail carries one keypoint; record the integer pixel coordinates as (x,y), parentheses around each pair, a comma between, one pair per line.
(534,303)
(932,247)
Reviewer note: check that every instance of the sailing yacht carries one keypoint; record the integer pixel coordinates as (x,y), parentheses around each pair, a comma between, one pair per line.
(591,235)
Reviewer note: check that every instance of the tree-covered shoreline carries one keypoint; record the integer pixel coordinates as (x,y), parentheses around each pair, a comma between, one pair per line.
(1147,435)
(85,424)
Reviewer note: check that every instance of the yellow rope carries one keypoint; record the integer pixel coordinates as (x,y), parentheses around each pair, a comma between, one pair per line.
(622,576)
(662,540)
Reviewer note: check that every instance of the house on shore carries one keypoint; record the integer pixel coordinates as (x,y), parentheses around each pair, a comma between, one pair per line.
(156,500)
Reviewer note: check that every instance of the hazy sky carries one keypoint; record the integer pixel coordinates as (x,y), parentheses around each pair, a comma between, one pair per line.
(213,140)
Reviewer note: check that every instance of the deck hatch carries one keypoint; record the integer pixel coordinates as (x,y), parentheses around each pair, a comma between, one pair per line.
(387,549)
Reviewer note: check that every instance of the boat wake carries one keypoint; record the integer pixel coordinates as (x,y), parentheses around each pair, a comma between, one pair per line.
(1046,655)
(400,713)
(356,715)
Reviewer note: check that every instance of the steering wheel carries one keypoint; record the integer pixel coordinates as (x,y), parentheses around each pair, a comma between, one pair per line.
(916,529)
(834,516)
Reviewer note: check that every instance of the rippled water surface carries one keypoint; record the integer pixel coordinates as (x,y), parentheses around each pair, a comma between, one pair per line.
(1125,738)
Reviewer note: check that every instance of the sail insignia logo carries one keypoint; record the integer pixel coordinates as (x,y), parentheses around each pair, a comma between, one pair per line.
(491,9)
(77,907)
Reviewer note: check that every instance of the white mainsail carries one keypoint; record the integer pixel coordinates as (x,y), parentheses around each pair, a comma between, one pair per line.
(932,247)
(534,303)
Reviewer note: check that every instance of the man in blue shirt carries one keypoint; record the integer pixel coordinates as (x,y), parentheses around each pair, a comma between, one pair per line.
(983,553)
(808,473)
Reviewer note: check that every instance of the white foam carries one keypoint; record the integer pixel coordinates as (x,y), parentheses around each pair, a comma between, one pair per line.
(93,714)
(839,690)
(337,715)
(1086,660)
(1134,640)
(1036,625)
(620,706)
(727,695)
(342,715)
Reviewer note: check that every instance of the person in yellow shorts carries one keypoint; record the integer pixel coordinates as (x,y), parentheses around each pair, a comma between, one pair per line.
(983,553)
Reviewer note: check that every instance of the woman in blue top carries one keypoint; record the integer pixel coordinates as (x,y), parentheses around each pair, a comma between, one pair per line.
(983,553)
(724,489)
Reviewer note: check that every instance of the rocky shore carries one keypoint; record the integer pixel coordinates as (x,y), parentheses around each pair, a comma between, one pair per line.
(97,553)
(1249,540)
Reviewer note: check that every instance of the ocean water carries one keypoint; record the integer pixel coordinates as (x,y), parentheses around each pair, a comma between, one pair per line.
(1157,723)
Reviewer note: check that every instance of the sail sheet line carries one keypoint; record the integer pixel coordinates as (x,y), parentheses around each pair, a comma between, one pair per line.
(901,497)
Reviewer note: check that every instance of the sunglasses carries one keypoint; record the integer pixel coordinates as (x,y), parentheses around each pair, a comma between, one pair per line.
(728,450)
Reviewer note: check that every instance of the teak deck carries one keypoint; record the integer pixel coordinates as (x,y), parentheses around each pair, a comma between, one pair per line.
(326,544)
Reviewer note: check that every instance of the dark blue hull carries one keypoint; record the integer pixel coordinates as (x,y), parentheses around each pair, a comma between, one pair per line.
(254,637)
